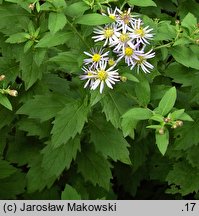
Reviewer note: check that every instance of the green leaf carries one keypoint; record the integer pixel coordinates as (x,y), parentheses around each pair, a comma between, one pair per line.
(56,22)
(167,102)
(6,169)
(43,107)
(189,22)
(51,40)
(114,105)
(138,114)
(94,168)
(157,117)
(17,38)
(162,141)
(143,3)
(185,56)
(5,102)
(109,141)
(130,77)
(93,19)
(154,126)
(76,9)
(142,90)
(128,127)
(176,114)
(68,122)
(185,117)
(56,160)
(70,193)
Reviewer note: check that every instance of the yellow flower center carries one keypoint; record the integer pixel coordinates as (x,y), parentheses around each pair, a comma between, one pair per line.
(124,37)
(112,16)
(140,32)
(102,75)
(128,51)
(141,59)
(108,32)
(111,62)
(96,57)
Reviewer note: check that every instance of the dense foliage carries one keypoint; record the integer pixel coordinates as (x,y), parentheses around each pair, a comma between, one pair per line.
(59,140)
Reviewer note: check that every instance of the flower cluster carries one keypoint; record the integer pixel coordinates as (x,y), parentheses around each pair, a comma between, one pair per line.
(128,38)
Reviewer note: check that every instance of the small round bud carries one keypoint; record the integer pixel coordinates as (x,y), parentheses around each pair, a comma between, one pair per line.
(2,77)
(174,126)
(198,25)
(111,62)
(31,6)
(197,41)
(179,123)
(177,22)
(167,120)
(161,131)
(123,78)
(13,93)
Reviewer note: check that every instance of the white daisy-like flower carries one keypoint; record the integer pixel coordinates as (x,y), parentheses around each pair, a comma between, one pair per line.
(113,14)
(141,34)
(122,39)
(130,55)
(107,33)
(105,76)
(96,56)
(142,62)
(88,75)
(125,18)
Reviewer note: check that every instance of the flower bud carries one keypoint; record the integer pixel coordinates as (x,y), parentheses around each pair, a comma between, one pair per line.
(179,123)
(2,77)
(13,93)
(31,6)
(111,62)
(167,120)
(123,78)
(197,41)
(177,22)
(161,131)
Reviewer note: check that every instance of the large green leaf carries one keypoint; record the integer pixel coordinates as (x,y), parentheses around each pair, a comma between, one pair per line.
(56,22)
(68,122)
(142,90)
(109,141)
(93,19)
(70,193)
(138,114)
(190,22)
(6,169)
(94,168)
(167,102)
(143,3)
(162,141)
(5,102)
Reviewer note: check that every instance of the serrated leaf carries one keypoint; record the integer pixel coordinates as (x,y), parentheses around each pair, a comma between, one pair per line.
(114,105)
(93,19)
(51,40)
(69,121)
(94,168)
(143,3)
(56,160)
(162,141)
(6,169)
(17,38)
(185,56)
(56,22)
(142,90)
(109,141)
(128,127)
(167,102)
(5,102)
(70,193)
(190,22)
(43,107)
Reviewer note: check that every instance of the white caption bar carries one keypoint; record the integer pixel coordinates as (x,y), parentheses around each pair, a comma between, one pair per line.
(100,207)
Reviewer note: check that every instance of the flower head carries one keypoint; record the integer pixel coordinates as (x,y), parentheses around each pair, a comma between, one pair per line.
(95,57)
(142,63)
(113,14)
(89,76)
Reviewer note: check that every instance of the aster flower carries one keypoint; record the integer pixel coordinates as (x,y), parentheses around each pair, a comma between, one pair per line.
(142,62)
(104,76)
(88,75)
(113,14)
(130,54)
(95,57)
(107,33)
(125,18)
(141,34)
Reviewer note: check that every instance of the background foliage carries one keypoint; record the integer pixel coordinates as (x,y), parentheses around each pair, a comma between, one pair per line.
(61,141)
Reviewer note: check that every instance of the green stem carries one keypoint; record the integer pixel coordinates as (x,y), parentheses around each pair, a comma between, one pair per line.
(124,2)
(78,34)
(164,45)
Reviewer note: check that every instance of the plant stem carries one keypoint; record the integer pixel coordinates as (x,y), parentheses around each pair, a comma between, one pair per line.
(164,45)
